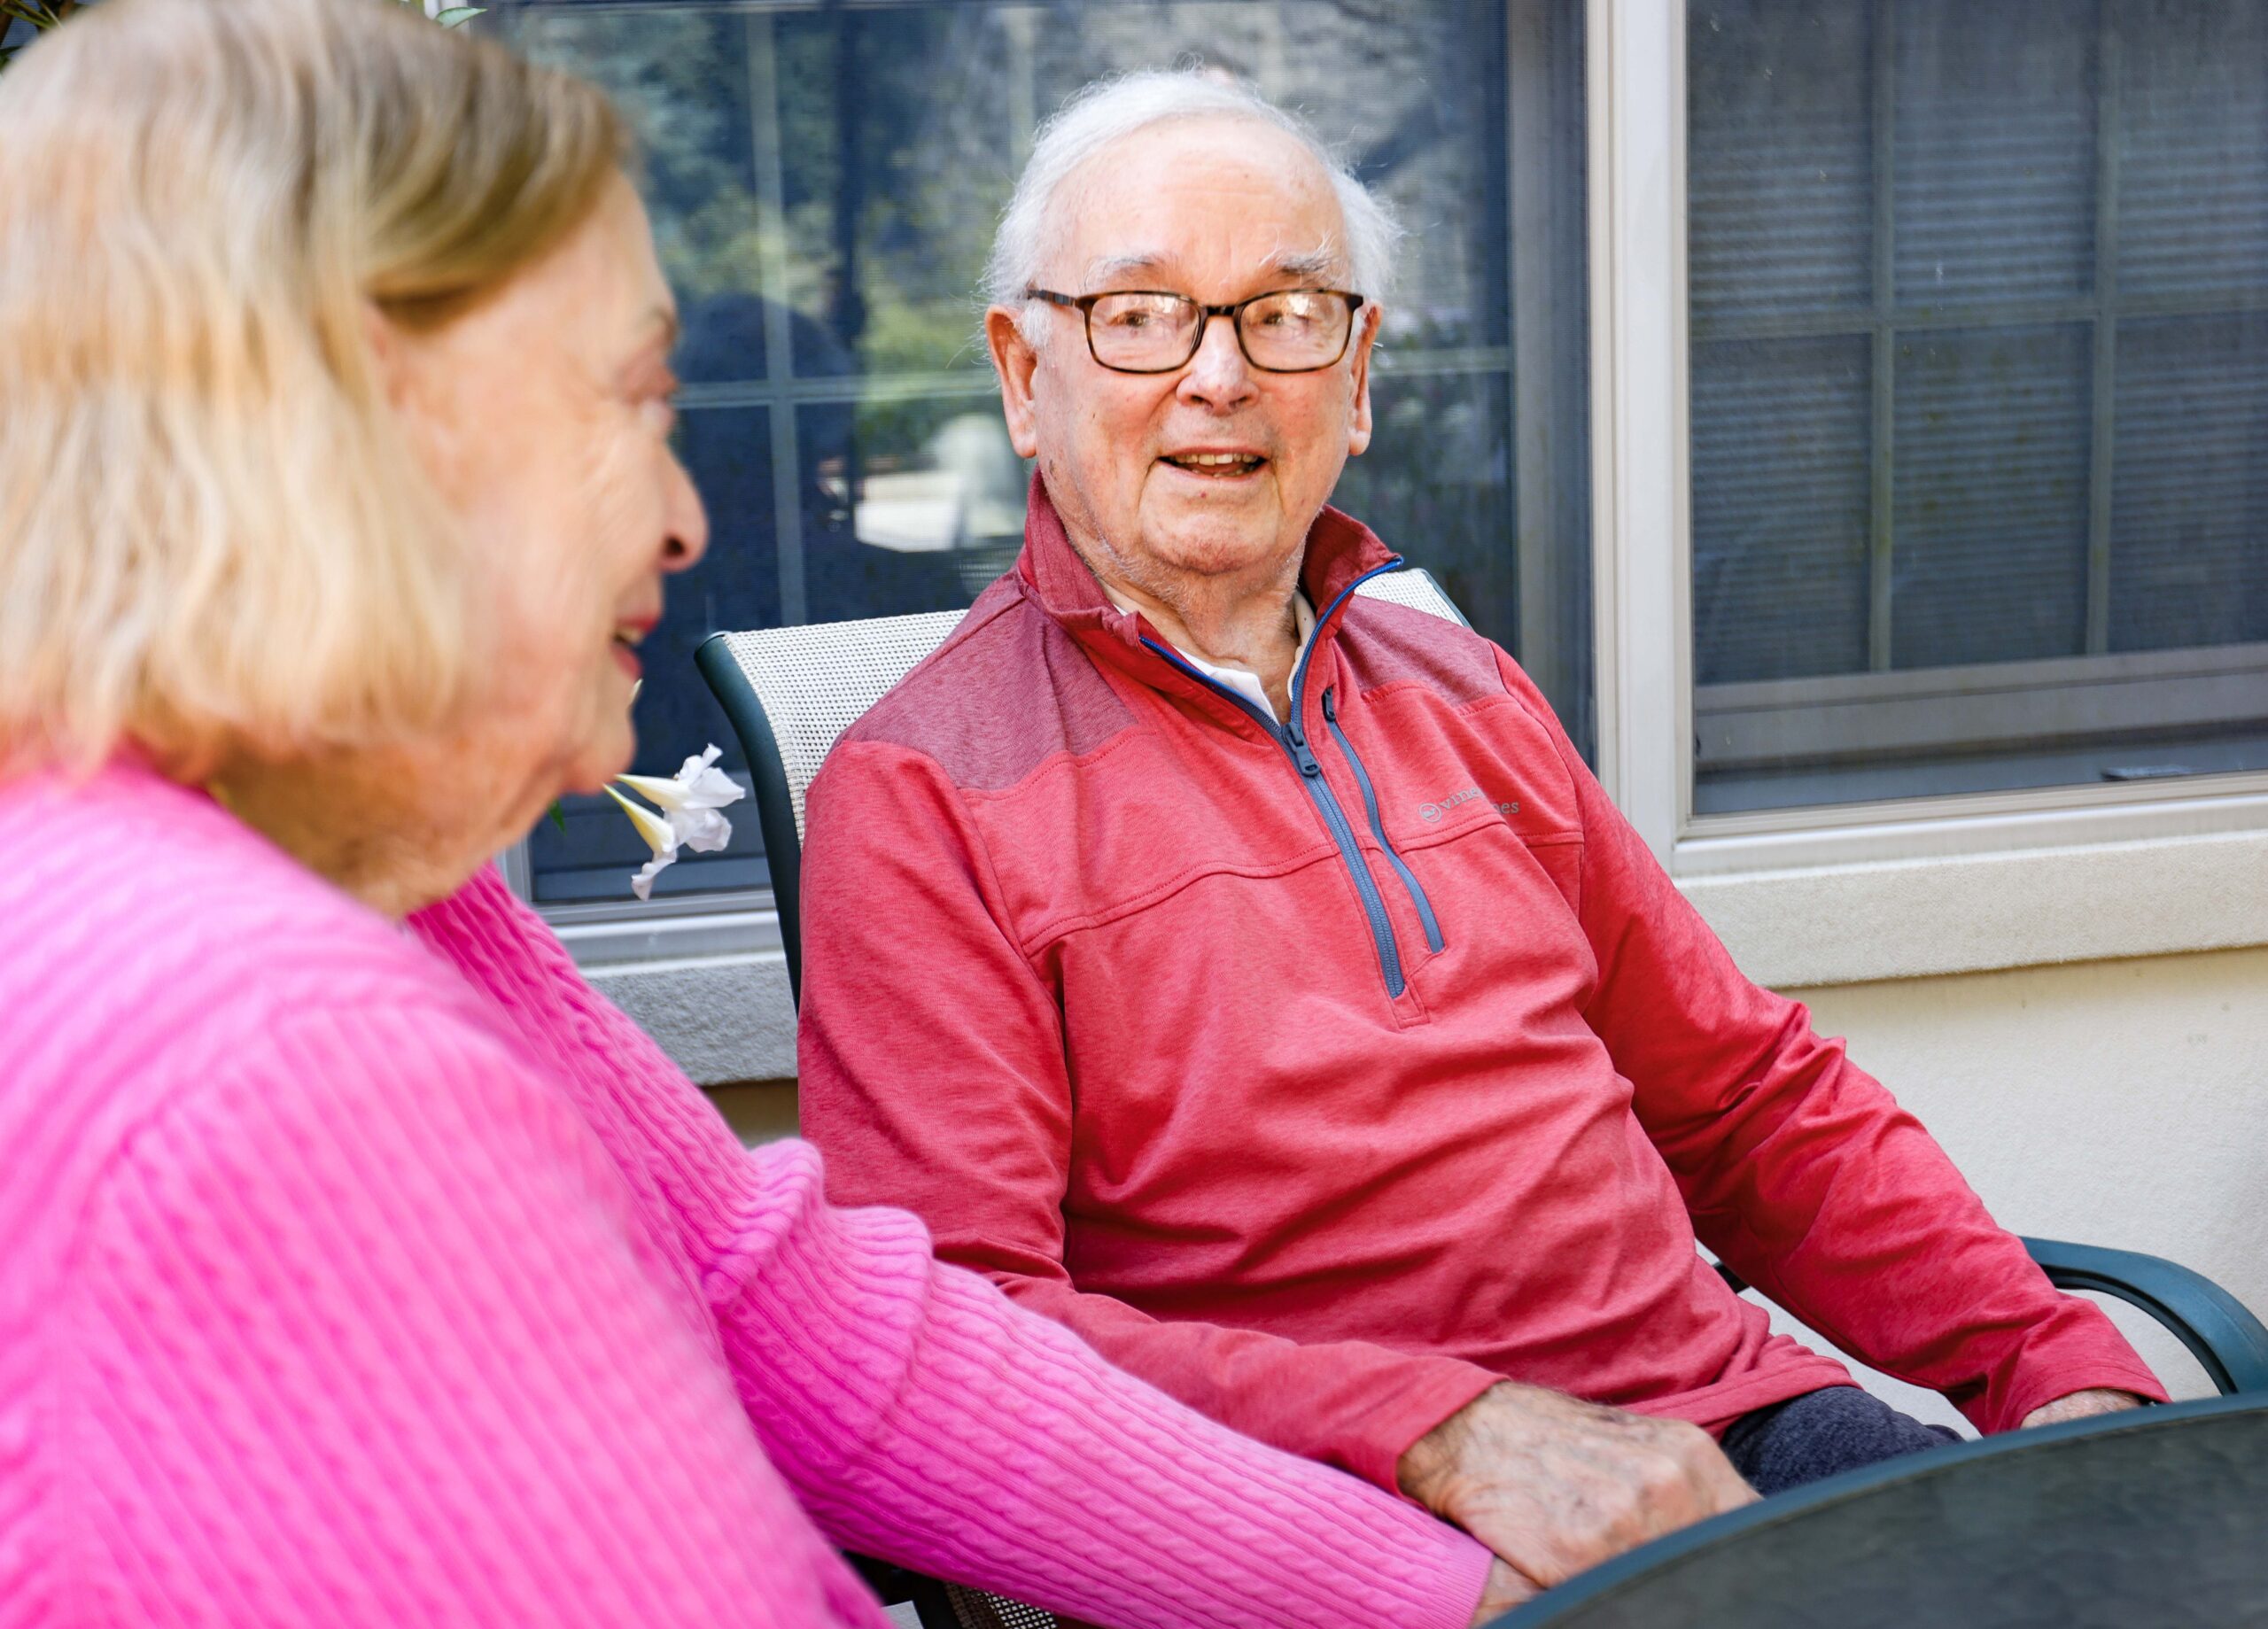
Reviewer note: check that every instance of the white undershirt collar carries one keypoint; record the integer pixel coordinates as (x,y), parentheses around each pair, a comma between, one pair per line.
(1243,680)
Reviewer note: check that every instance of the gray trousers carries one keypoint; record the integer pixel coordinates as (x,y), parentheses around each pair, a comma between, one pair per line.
(1821,1434)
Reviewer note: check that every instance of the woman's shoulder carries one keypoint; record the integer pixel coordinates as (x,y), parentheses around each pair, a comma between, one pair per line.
(530,988)
(148,927)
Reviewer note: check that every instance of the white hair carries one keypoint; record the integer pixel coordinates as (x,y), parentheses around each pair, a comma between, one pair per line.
(1108,111)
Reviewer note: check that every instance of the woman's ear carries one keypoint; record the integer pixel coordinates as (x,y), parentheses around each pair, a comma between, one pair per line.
(410,373)
(383,342)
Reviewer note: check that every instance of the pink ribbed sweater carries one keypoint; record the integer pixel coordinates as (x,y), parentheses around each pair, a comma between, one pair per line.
(356,1275)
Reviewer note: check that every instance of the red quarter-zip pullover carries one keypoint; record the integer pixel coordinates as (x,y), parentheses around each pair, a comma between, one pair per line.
(1323,1075)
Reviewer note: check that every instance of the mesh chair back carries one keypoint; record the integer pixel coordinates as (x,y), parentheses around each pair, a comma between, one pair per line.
(790,693)
(1414,586)
(815,682)
(974,1609)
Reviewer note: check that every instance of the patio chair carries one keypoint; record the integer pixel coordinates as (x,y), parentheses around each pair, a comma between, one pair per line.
(790,693)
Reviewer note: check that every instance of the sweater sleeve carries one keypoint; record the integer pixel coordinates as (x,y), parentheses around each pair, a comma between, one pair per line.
(373,1337)
(922,1417)
(949,1094)
(1801,1171)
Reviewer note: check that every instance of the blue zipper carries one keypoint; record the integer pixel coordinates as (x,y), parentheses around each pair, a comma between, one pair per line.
(1378,828)
(1293,741)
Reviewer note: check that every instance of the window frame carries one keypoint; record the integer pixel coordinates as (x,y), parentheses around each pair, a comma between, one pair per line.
(1759,875)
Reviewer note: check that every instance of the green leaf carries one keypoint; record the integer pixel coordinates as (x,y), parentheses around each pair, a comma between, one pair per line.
(559,819)
(457,15)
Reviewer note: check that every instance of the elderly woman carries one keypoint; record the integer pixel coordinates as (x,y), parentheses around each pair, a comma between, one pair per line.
(362,1264)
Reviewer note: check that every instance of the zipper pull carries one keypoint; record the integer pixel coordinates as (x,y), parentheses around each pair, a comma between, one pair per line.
(1327,711)
(1300,755)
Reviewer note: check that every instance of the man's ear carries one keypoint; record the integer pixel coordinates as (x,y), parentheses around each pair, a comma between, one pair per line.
(1358,424)
(1015,361)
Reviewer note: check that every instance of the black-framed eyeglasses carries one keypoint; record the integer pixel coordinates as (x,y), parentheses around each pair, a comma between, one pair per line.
(1149,331)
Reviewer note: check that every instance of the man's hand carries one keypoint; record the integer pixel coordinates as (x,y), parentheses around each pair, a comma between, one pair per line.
(2080,1406)
(1554,1486)
(1504,1590)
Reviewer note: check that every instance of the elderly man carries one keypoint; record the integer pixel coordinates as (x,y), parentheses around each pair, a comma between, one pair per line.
(1252,977)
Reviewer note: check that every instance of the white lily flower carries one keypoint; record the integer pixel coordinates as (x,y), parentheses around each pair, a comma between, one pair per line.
(659,837)
(690,798)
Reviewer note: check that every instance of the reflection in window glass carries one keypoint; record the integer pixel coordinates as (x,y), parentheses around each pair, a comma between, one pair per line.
(824,181)
(1979,394)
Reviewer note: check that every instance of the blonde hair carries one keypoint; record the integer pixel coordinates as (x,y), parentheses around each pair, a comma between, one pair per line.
(213,537)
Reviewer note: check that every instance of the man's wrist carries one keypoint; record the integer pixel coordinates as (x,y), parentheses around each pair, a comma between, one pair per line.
(2034,1393)
(1427,1466)
(2084,1404)
(1426,1462)
(1415,1445)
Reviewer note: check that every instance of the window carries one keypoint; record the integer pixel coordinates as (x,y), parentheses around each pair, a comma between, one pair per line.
(1979,343)
(824,181)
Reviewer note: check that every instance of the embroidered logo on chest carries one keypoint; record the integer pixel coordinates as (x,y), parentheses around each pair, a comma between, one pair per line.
(1431,812)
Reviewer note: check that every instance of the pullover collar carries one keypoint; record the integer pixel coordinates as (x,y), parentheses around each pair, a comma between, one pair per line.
(1243,680)
(1339,549)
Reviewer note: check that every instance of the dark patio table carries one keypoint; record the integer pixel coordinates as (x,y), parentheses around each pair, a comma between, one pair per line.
(2154,1518)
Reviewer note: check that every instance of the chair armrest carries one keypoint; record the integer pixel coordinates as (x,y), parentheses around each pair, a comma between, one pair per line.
(2224,1338)
(2219,1332)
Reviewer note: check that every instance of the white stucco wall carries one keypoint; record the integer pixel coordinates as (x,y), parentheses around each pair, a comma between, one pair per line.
(724,1019)
(2119,1103)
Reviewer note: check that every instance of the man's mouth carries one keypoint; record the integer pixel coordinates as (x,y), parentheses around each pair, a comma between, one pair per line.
(1216,466)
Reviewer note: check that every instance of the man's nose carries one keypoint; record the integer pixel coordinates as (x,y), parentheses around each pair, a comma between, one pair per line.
(1218,376)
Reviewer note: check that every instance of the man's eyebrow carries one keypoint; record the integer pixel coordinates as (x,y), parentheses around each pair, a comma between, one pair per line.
(1306,266)
(1111,267)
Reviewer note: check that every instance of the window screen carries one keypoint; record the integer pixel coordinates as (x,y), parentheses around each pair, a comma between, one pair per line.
(1979,350)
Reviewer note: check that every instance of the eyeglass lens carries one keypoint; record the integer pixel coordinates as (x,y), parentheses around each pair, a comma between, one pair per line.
(1288,332)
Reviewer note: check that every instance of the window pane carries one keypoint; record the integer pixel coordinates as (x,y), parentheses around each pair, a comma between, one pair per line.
(930,505)
(1782,218)
(2189,521)
(1979,395)
(2192,150)
(1989,559)
(1779,508)
(1993,161)
(824,181)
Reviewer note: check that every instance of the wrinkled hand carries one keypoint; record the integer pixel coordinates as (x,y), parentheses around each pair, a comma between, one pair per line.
(1554,1486)
(2081,1405)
